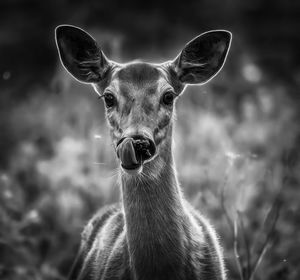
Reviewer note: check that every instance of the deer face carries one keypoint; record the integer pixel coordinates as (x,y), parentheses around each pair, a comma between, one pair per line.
(139,97)
(139,106)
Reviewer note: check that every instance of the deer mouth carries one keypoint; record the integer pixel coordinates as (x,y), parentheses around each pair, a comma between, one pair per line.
(133,152)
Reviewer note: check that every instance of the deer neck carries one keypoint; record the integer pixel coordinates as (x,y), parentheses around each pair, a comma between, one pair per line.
(153,209)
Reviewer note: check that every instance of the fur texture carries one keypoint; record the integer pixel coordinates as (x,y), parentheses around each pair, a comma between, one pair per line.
(153,234)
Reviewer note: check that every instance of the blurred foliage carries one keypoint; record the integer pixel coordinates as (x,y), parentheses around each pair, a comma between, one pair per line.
(237,138)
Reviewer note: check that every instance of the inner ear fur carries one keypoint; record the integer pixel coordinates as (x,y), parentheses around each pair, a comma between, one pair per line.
(80,54)
(203,57)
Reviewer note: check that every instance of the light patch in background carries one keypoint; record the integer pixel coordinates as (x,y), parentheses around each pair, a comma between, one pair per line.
(6,75)
(215,151)
(252,73)
(74,164)
(69,153)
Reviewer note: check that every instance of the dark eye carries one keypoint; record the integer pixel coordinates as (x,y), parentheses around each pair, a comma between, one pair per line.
(168,98)
(109,100)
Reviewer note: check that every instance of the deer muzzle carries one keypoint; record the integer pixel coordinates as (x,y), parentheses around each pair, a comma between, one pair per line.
(133,151)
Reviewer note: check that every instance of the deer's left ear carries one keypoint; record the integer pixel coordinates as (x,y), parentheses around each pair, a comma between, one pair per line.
(80,54)
(203,57)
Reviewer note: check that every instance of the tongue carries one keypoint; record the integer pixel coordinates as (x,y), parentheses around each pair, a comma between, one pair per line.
(126,153)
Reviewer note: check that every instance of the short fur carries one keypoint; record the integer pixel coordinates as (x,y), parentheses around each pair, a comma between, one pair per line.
(154,233)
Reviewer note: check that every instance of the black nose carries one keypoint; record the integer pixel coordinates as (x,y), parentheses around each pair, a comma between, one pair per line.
(144,147)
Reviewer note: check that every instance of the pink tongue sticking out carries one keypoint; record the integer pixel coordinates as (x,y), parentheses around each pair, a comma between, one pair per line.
(126,153)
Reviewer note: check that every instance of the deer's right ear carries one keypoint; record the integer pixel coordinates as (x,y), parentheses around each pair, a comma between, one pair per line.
(80,54)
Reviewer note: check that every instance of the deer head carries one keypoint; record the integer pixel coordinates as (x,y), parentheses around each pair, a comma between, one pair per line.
(139,97)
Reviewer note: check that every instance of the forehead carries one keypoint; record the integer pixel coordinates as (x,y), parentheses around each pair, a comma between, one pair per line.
(137,78)
(139,74)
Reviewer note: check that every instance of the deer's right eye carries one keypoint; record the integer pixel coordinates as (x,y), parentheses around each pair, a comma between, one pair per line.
(109,100)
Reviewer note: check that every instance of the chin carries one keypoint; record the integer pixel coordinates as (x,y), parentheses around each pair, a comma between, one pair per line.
(133,171)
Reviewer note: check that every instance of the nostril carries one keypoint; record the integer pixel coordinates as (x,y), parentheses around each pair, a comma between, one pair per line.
(144,147)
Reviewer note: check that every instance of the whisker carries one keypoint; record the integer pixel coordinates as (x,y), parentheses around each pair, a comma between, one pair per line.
(111,174)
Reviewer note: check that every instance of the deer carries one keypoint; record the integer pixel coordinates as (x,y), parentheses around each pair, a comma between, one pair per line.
(153,232)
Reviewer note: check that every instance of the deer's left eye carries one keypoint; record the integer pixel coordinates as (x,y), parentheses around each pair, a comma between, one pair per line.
(109,100)
(168,98)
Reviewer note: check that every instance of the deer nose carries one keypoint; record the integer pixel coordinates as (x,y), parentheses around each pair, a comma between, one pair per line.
(134,150)
(144,147)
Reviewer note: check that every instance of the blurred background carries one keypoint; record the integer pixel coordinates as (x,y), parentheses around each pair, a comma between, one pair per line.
(237,138)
